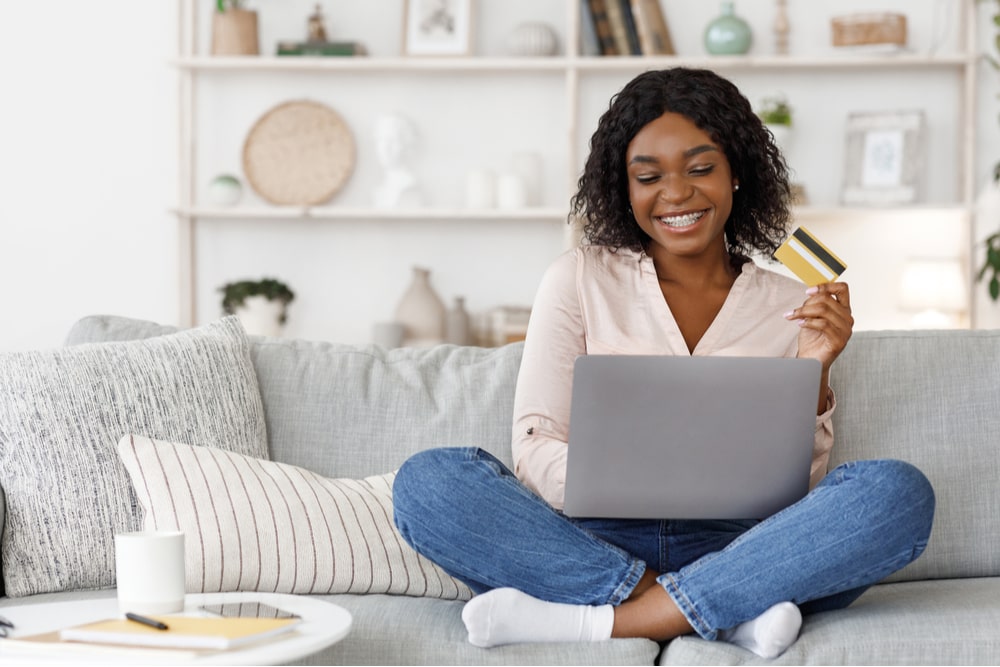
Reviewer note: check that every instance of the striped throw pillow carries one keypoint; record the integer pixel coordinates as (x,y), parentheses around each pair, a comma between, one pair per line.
(256,525)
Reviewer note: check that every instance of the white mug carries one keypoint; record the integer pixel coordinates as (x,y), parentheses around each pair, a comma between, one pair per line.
(149,567)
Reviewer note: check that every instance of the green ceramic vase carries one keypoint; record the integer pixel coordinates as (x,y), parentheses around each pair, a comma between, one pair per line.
(728,34)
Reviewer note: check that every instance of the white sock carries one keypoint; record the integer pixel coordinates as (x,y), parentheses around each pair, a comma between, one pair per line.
(508,616)
(769,634)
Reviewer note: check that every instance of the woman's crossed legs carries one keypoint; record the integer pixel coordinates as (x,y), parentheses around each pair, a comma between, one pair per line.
(737,581)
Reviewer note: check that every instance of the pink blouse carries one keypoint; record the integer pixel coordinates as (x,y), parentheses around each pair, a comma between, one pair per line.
(595,301)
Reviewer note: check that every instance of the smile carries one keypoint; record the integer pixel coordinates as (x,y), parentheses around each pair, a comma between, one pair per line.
(678,221)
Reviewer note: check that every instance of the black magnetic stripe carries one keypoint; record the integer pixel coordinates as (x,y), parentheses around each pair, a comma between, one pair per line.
(819,251)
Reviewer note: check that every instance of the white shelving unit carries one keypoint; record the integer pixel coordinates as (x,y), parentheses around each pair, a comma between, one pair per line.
(582,80)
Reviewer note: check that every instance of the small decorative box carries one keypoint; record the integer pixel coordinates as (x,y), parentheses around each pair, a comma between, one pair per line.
(865,29)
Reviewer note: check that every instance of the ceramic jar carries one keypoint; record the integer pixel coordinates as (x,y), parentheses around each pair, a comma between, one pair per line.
(480,189)
(728,34)
(512,192)
(532,39)
(225,190)
(528,166)
(458,329)
(421,312)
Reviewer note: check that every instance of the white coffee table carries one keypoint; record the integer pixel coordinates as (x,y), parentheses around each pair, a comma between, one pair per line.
(323,624)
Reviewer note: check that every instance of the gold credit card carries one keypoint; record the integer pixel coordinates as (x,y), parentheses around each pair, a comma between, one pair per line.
(809,259)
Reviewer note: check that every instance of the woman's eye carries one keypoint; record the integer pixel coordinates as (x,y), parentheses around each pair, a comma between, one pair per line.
(702,171)
(646,178)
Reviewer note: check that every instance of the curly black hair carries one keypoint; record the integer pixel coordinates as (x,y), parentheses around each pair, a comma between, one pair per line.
(760,214)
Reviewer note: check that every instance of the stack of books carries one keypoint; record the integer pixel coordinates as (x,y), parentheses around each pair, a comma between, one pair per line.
(321,49)
(624,27)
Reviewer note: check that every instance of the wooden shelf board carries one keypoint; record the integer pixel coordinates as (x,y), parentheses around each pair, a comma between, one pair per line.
(338,213)
(557,64)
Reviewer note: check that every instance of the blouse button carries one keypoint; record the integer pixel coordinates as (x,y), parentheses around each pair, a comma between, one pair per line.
(531,429)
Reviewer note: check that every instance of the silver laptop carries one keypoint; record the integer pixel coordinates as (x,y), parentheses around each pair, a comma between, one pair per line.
(672,437)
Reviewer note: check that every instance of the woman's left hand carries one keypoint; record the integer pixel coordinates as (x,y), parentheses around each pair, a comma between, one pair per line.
(826,322)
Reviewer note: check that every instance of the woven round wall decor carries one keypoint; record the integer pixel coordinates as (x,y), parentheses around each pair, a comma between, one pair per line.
(298,153)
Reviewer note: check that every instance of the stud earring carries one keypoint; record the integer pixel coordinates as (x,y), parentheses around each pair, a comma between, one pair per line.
(736,187)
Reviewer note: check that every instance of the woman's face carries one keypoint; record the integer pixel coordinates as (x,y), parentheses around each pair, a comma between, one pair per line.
(680,187)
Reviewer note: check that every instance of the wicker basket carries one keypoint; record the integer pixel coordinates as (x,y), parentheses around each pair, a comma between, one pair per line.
(866,29)
(298,153)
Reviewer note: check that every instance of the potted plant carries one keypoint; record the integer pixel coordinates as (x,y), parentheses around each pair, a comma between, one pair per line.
(988,203)
(261,305)
(775,111)
(777,116)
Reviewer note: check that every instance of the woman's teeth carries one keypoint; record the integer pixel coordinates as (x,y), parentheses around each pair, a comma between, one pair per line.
(681,220)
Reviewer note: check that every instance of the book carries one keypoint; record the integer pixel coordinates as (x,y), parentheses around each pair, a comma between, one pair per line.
(183,632)
(650,23)
(589,44)
(631,32)
(602,26)
(321,49)
(616,18)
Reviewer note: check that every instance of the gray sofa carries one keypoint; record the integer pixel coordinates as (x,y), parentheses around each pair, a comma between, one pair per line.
(930,398)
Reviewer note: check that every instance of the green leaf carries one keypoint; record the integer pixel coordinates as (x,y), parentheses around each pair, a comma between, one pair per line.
(993,258)
(995,288)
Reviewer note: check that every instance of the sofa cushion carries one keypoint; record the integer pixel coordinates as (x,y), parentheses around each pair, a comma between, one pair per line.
(354,411)
(350,411)
(253,525)
(62,413)
(400,630)
(930,398)
(422,631)
(949,622)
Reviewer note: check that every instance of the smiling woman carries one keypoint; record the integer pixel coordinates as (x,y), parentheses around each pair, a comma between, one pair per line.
(683,183)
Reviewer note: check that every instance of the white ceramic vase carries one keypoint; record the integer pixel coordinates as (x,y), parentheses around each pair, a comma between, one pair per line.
(421,312)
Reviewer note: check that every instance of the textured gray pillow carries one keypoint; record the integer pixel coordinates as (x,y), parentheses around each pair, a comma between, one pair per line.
(62,413)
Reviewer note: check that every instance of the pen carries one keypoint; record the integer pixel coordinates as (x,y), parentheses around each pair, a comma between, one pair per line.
(151,622)
(5,627)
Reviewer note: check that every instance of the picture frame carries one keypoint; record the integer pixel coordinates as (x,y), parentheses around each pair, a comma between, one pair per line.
(884,158)
(437,27)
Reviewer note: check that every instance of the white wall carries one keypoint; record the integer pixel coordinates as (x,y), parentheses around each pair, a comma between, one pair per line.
(87,167)
(88,171)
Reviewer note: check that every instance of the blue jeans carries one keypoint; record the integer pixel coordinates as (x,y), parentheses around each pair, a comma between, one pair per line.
(464,510)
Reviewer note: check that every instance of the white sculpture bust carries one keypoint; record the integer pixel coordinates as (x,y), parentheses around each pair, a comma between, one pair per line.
(395,138)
